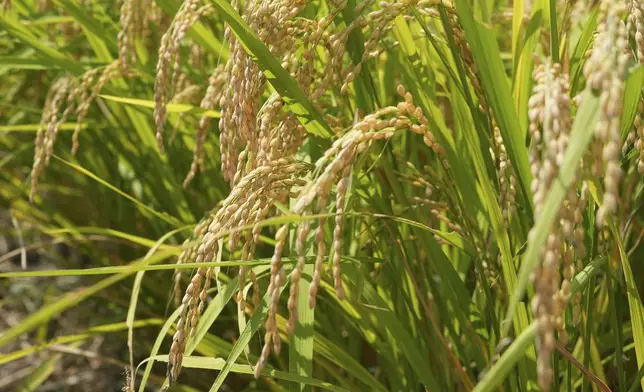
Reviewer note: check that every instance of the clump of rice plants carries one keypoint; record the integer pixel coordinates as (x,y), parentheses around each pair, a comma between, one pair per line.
(438,195)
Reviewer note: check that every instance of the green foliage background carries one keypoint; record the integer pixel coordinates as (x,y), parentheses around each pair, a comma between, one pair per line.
(415,306)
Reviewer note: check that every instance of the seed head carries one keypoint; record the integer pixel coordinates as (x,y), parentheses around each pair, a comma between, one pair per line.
(605,71)
(550,123)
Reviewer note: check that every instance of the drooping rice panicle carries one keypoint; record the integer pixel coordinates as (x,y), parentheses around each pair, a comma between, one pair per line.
(246,204)
(550,126)
(605,71)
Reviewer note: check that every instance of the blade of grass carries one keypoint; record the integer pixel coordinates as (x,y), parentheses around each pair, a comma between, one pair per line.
(155,349)
(93,29)
(636,380)
(634,300)
(133,269)
(171,107)
(110,232)
(517,24)
(554,31)
(252,327)
(388,319)
(632,94)
(523,75)
(220,364)
(24,35)
(166,217)
(344,360)
(72,299)
(214,309)
(492,209)
(92,331)
(588,329)
(488,58)
(40,374)
(35,127)
(437,47)
(210,315)
(583,44)
(617,336)
(48,20)
(301,343)
(417,72)
(15,62)
(134,300)
(451,238)
(498,372)
(355,45)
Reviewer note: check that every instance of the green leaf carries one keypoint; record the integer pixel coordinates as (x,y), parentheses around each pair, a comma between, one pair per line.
(71,299)
(523,75)
(421,85)
(583,44)
(493,210)
(637,380)
(636,307)
(517,24)
(166,217)
(497,373)
(301,342)
(76,231)
(23,34)
(214,309)
(367,96)
(92,331)
(14,62)
(48,20)
(632,94)
(418,360)
(155,349)
(134,299)
(132,269)
(35,127)
(253,325)
(103,39)
(344,360)
(488,59)
(172,107)
(220,364)
(40,374)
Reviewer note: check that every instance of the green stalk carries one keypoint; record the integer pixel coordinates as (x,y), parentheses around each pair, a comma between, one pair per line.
(521,344)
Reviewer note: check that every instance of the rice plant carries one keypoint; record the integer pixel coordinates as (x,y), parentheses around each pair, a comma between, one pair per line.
(320,195)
